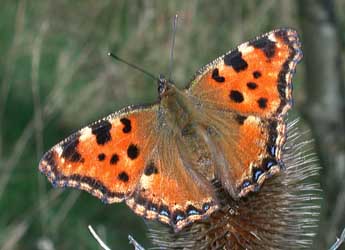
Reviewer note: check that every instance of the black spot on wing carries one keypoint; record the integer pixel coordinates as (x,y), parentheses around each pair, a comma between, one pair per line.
(101,157)
(257,74)
(127,125)
(69,149)
(236,96)
(132,151)
(240,119)
(266,45)
(262,103)
(235,60)
(123,176)
(114,159)
(150,169)
(217,77)
(102,131)
(252,85)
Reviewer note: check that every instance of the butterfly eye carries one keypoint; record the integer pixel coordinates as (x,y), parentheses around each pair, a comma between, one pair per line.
(162,85)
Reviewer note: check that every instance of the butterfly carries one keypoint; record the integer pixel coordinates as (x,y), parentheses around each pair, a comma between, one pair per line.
(162,159)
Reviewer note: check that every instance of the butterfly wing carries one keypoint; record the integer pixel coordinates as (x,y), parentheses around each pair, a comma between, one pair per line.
(125,157)
(171,191)
(105,158)
(246,94)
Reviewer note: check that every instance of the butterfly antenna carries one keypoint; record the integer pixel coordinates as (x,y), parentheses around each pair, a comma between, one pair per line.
(172,47)
(133,66)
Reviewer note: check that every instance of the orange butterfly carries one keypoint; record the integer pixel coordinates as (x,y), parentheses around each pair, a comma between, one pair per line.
(162,159)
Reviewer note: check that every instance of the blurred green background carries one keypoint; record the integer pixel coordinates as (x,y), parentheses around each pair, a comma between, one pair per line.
(55,77)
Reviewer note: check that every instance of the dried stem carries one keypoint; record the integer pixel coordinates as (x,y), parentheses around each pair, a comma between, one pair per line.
(98,239)
(339,241)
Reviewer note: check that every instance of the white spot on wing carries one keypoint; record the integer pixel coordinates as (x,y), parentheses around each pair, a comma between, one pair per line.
(253,119)
(85,133)
(115,122)
(272,37)
(58,150)
(145,181)
(245,48)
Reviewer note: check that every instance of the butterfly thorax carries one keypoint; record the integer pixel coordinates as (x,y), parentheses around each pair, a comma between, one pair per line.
(179,111)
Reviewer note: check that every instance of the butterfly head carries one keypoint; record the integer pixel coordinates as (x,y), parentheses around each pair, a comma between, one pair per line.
(164,86)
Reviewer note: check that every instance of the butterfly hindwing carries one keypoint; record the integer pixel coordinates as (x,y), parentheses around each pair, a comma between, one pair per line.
(169,190)
(249,90)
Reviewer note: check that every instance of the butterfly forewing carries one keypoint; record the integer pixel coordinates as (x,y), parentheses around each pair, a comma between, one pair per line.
(254,78)
(103,158)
